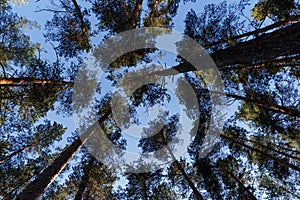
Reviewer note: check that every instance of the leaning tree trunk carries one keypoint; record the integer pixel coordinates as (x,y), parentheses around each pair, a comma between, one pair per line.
(241,184)
(288,21)
(196,193)
(268,147)
(31,81)
(6,158)
(282,42)
(136,13)
(37,187)
(263,104)
(84,179)
(276,159)
(269,106)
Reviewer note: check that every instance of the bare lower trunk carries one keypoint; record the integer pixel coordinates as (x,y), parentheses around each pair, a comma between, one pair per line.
(37,187)
(136,13)
(31,81)
(241,184)
(283,42)
(265,104)
(291,20)
(85,179)
(15,153)
(278,160)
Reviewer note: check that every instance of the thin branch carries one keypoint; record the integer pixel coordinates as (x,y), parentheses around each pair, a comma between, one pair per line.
(4,73)
(80,15)
(49,10)
(257,31)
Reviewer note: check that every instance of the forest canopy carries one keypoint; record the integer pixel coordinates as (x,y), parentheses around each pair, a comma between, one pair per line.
(47,153)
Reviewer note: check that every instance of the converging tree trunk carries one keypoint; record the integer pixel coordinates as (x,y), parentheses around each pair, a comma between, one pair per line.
(37,187)
(267,105)
(196,193)
(282,42)
(136,13)
(84,179)
(269,147)
(2,160)
(264,104)
(80,15)
(276,159)
(32,81)
(249,195)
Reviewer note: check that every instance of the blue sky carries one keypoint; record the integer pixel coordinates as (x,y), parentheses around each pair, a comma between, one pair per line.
(36,35)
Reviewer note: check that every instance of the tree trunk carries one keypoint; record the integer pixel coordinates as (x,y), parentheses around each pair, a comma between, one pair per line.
(290,61)
(283,162)
(123,2)
(85,179)
(80,15)
(31,81)
(282,42)
(136,13)
(2,160)
(265,104)
(271,149)
(37,187)
(197,194)
(241,184)
(290,20)
(285,189)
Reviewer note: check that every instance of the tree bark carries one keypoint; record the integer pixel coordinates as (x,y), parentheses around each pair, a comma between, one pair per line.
(136,13)
(123,2)
(37,187)
(80,15)
(282,42)
(15,153)
(85,179)
(241,184)
(197,194)
(290,20)
(31,81)
(285,189)
(273,107)
(283,162)
(267,105)
(271,149)
(281,62)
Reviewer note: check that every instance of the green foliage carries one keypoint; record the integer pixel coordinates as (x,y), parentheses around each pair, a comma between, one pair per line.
(273,9)
(71,29)
(218,21)
(257,155)
(15,46)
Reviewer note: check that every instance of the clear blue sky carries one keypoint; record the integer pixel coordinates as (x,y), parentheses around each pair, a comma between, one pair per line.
(37,36)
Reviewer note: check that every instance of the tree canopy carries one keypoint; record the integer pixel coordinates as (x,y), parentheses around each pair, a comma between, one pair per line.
(255,46)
